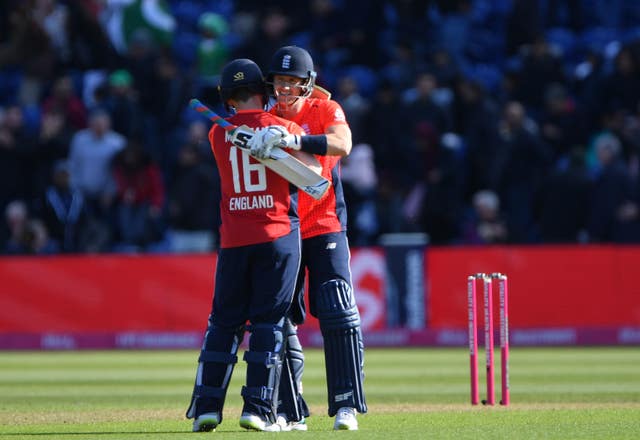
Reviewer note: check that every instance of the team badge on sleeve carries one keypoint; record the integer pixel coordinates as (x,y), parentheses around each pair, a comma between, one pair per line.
(339,115)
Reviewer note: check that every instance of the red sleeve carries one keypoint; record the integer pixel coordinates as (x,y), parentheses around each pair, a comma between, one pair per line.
(294,128)
(333,114)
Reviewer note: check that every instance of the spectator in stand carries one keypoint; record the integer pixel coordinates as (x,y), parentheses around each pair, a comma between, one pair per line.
(523,24)
(421,105)
(121,101)
(587,81)
(443,67)
(89,46)
(403,65)
(16,217)
(64,99)
(273,30)
(63,211)
(76,37)
(197,135)
(540,68)
(213,51)
(359,183)
(52,145)
(385,133)
(436,197)
(355,106)
(621,88)
(561,126)
(90,156)
(27,46)
(34,240)
(615,211)
(523,160)
(139,199)
(475,119)
(16,146)
(193,209)
(454,27)
(485,223)
(327,28)
(564,199)
(366,18)
(163,92)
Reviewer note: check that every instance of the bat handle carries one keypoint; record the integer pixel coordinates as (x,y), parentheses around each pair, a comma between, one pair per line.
(203,109)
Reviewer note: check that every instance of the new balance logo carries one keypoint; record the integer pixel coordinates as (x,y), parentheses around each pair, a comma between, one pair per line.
(331,245)
(343,397)
(286,62)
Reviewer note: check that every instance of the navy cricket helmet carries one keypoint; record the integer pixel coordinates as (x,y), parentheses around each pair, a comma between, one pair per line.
(241,73)
(293,61)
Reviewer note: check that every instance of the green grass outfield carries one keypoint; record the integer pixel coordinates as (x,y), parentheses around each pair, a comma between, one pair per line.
(422,393)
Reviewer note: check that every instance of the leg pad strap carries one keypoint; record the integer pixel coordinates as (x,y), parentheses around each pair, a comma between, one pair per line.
(217,357)
(266,358)
(207,391)
(262,393)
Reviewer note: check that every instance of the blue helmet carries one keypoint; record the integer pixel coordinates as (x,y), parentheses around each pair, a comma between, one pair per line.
(293,61)
(241,73)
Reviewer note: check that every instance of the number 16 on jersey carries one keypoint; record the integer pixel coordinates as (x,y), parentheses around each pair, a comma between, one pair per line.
(280,162)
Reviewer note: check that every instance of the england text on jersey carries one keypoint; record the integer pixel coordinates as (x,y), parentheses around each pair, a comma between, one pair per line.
(250,202)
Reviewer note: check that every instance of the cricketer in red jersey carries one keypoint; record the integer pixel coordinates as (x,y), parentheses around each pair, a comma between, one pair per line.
(325,248)
(256,205)
(257,265)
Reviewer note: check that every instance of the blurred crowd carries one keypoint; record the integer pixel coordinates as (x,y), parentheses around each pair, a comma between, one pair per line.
(474,121)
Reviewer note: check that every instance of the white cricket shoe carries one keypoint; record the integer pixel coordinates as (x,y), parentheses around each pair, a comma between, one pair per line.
(346,420)
(206,422)
(291,426)
(257,423)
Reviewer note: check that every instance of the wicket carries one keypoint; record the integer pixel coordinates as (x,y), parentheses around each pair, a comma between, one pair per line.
(487,283)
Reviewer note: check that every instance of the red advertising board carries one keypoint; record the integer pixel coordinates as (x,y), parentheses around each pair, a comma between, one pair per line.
(146,293)
(550,286)
(558,295)
(105,293)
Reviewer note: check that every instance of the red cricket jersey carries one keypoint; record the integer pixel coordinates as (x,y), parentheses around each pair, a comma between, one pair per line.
(328,214)
(256,205)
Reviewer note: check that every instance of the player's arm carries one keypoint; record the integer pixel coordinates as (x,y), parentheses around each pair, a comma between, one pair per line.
(338,140)
(306,158)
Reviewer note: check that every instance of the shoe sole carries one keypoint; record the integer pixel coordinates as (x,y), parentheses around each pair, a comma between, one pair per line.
(255,425)
(206,425)
(345,428)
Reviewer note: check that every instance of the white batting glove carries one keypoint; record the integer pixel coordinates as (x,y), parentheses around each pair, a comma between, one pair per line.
(265,139)
(291,141)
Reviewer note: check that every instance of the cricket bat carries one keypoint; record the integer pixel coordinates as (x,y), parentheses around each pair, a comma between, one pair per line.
(280,162)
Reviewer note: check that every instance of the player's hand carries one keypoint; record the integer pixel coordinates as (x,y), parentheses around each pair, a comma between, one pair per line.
(265,139)
(291,141)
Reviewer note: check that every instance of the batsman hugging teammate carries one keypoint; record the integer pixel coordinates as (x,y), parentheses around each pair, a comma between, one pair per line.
(325,250)
(258,263)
